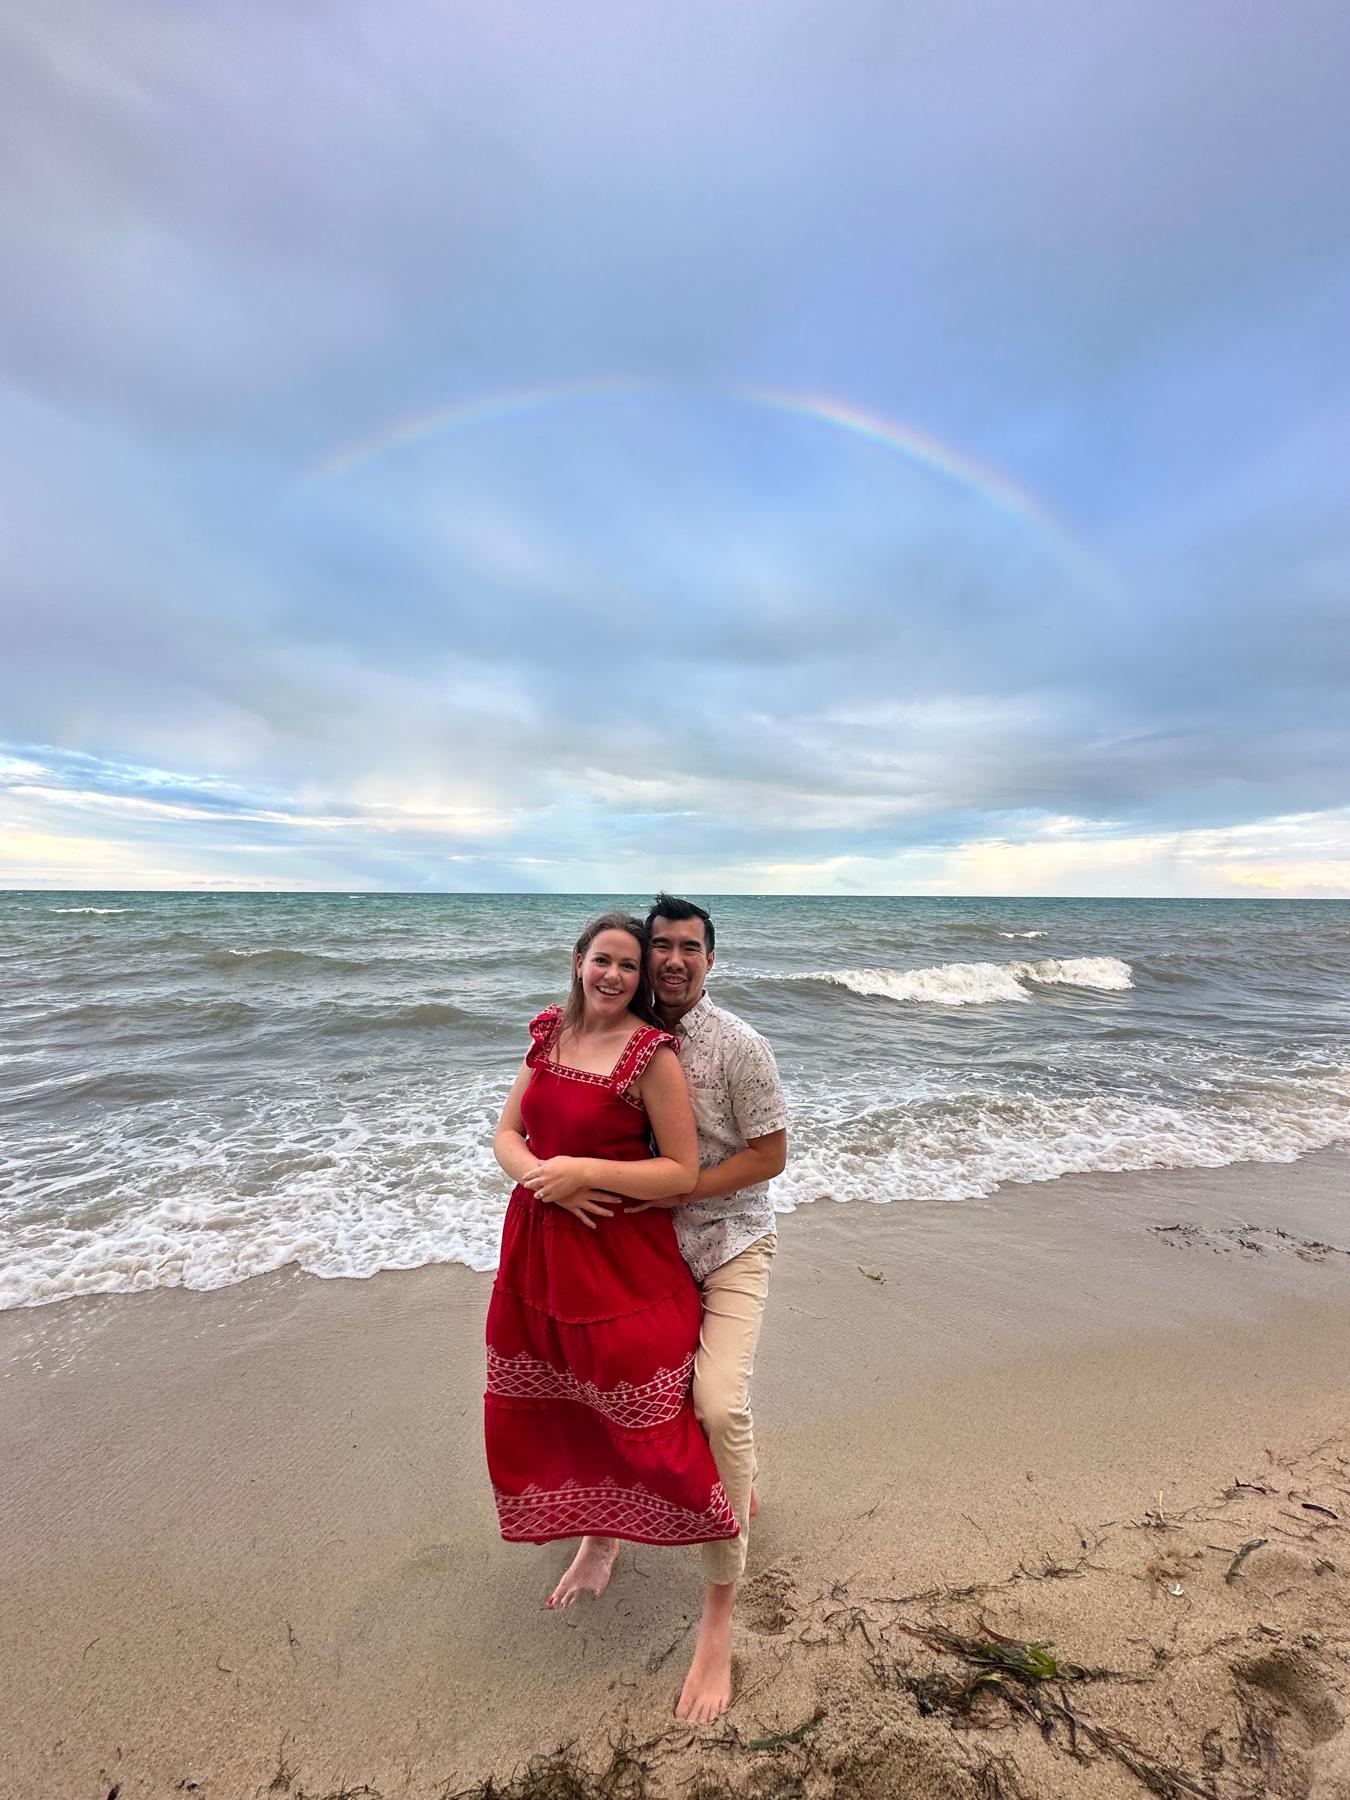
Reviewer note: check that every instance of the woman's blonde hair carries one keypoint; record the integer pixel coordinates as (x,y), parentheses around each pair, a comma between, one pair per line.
(640,1005)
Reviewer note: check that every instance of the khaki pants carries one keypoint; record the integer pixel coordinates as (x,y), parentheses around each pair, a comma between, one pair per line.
(733,1310)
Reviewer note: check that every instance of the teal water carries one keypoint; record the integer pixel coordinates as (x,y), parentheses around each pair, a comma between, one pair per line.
(201,1087)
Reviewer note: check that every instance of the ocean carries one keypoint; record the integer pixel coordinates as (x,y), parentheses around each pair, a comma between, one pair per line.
(198,1088)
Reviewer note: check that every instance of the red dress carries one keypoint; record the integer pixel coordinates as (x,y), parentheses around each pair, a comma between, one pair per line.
(591,1337)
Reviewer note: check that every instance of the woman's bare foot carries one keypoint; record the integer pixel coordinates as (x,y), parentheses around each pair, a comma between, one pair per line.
(707,1687)
(588,1572)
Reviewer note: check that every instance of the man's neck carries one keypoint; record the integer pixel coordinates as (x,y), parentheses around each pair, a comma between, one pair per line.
(671,1015)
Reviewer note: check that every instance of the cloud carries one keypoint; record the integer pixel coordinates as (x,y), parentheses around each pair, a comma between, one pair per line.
(1115,272)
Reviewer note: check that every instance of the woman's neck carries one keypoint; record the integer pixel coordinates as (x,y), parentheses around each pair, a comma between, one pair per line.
(599,1029)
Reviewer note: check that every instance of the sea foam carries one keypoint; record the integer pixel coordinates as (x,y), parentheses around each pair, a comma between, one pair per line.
(408,1179)
(963,1147)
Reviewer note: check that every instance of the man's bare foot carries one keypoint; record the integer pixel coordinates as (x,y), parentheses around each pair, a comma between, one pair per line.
(707,1687)
(754,1504)
(588,1572)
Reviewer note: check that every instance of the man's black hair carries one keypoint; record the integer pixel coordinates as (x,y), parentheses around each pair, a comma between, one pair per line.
(666,906)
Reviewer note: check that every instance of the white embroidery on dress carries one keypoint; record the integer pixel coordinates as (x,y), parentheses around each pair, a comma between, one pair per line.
(630,1068)
(608,1510)
(632,1406)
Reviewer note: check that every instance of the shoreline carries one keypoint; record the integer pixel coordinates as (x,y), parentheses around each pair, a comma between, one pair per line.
(1210,1192)
(248,1529)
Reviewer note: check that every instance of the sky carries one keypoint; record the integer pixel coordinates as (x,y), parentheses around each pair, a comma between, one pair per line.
(760,446)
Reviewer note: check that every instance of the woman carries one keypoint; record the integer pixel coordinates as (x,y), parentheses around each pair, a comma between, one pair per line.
(595,1317)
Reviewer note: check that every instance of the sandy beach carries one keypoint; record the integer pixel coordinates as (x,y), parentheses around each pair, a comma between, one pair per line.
(249,1547)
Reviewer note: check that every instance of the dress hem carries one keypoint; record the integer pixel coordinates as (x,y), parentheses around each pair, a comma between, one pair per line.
(626,1537)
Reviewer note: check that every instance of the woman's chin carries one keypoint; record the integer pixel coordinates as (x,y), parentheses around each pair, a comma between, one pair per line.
(610,1006)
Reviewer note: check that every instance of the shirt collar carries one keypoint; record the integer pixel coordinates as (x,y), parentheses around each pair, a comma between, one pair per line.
(698,1016)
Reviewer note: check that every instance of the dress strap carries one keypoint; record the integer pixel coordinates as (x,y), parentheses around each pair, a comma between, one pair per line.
(642,1047)
(544,1031)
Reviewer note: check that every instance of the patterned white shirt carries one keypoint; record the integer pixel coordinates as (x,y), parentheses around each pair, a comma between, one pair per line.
(733,1083)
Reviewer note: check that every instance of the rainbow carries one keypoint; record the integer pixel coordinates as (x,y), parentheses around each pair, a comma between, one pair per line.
(990,485)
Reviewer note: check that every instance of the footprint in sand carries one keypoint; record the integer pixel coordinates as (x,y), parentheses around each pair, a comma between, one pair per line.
(1292,1728)
(768,1601)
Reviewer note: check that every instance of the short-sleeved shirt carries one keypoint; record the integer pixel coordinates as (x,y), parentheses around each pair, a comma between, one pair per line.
(733,1083)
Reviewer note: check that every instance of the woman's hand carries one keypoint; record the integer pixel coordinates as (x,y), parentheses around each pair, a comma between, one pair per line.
(558,1179)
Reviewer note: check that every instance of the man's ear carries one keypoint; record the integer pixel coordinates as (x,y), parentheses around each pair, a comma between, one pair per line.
(711,959)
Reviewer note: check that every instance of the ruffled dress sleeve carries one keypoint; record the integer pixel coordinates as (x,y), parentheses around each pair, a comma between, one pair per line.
(543,1032)
(633,1063)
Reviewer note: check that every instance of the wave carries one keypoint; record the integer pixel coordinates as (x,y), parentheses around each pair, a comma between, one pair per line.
(142,1018)
(277,956)
(983,929)
(345,1182)
(965,1146)
(89,909)
(401,1018)
(394,1175)
(978,983)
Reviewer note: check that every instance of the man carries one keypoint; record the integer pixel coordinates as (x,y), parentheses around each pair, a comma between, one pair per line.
(727,1233)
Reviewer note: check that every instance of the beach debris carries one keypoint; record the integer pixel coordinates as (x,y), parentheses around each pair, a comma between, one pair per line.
(1000,1656)
(1254,1238)
(1244,1552)
(285,1772)
(1176,1590)
(871,1274)
(1165,1572)
(779,1738)
(1035,1683)
(1312,1506)
(1155,1519)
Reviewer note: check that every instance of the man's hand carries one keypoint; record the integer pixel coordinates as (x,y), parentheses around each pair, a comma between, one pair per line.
(669,1203)
(558,1179)
(589,1204)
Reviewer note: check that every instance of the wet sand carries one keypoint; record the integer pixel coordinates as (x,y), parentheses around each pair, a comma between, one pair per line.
(248,1543)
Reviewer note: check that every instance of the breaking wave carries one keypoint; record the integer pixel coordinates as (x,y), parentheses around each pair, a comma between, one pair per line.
(979,983)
